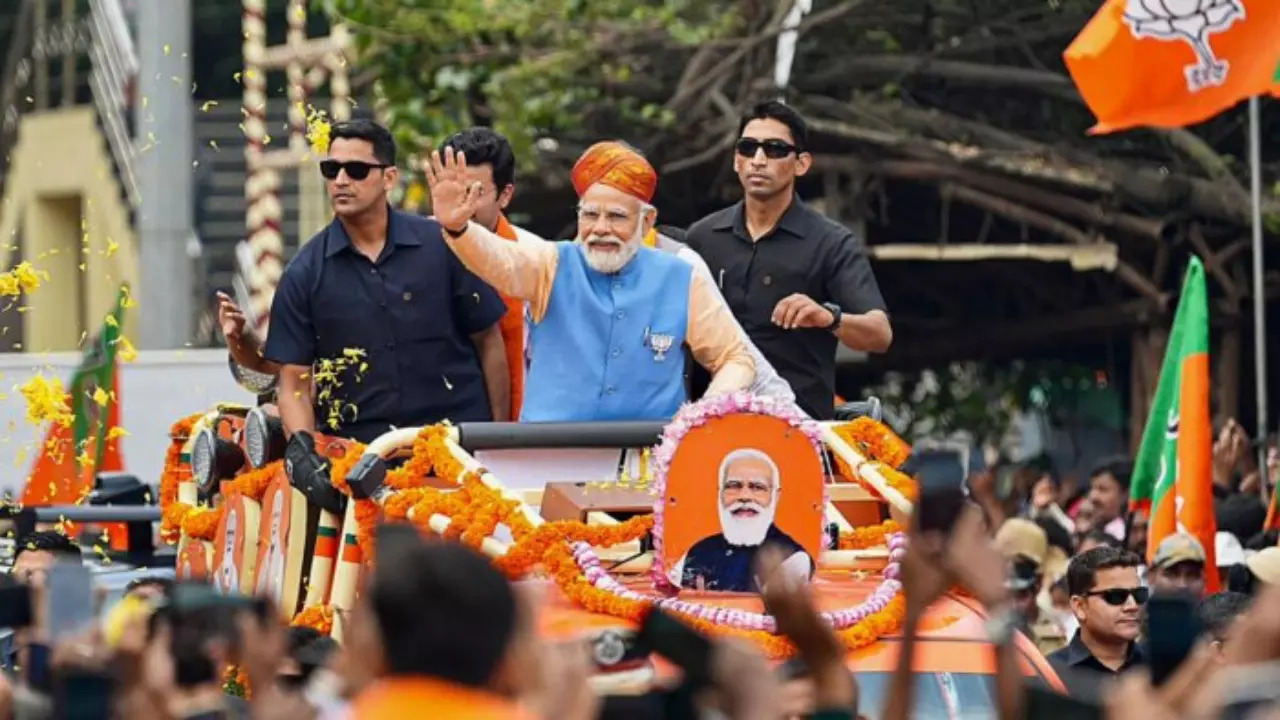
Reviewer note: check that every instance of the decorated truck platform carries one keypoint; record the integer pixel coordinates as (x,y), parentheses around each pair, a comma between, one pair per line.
(673,522)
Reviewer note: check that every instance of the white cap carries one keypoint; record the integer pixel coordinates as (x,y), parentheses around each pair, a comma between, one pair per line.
(1227,549)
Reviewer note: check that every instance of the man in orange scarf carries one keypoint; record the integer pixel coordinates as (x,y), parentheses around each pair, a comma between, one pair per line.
(492,164)
(609,317)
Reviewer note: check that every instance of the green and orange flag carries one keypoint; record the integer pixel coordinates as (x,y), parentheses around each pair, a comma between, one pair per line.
(1173,63)
(73,454)
(1173,475)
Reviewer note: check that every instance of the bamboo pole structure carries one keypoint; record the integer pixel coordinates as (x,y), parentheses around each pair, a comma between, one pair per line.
(263,212)
(307,63)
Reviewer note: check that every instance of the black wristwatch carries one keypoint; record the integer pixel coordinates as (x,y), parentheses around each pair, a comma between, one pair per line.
(836,312)
(455,234)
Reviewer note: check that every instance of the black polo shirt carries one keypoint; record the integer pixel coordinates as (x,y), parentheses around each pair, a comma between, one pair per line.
(1083,674)
(412,312)
(805,253)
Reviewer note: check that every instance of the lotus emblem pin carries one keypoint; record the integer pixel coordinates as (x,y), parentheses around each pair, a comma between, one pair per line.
(1192,21)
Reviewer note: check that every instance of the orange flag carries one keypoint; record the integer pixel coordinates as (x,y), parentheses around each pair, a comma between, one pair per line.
(1173,474)
(1173,63)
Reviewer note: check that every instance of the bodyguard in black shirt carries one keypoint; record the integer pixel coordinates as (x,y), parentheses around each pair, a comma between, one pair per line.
(796,280)
(1107,598)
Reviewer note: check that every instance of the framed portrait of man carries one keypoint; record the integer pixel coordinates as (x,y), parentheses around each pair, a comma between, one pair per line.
(735,485)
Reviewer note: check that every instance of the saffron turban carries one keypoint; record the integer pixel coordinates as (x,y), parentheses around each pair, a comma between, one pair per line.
(617,165)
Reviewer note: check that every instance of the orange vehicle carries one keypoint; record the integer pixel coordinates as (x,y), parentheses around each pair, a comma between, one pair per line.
(954,663)
(628,541)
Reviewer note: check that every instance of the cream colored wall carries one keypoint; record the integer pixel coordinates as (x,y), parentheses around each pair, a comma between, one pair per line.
(61,187)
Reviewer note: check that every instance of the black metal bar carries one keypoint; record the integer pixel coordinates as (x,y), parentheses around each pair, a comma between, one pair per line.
(521,436)
(97,513)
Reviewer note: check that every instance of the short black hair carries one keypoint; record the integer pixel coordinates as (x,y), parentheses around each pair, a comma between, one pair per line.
(452,618)
(309,648)
(1118,467)
(1057,535)
(1082,573)
(783,113)
(1101,537)
(165,584)
(1241,514)
(484,146)
(1219,610)
(1240,579)
(48,541)
(384,146)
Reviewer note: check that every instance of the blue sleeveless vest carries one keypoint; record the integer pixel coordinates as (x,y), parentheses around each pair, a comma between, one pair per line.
(594,352)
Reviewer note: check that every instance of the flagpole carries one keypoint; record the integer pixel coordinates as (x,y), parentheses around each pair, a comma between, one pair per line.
(1259,296)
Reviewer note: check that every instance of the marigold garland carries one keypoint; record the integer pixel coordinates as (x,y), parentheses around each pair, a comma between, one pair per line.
(316,617)
(875,441)
(884,451)
(861,538)
(475,510)
(174,473)
(235,682)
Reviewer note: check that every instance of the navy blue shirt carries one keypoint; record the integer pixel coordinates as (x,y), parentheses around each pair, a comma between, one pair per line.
(412,312)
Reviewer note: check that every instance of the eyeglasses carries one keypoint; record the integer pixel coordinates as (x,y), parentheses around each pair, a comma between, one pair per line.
(1119,596)
(773,149)
(356,169)
(616,219)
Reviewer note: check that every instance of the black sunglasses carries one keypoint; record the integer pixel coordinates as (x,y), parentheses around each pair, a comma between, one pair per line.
(773,149)
(1119,596)
(356,169)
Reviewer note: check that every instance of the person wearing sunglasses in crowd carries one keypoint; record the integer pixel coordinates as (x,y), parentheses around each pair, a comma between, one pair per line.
(797,281)
(1107,598)
(413,334)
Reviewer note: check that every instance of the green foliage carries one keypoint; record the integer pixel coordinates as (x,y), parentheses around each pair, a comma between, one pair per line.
(984,399)
(530,68)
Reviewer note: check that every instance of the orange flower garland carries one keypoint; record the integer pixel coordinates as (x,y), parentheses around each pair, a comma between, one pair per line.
(174,473)
(867,537)
(875,441)
(316,617)
(476,510)
(884,451)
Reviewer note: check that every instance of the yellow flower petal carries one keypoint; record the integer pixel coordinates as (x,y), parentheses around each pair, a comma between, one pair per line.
(125,350)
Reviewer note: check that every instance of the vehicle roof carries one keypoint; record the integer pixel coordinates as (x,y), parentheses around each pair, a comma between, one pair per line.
(953,636)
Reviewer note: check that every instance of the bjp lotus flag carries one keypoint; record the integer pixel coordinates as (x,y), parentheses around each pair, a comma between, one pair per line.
(1173,475)
(72,455)
(1173,63)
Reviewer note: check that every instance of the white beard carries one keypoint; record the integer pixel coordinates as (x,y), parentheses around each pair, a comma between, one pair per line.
(746,531)
(611,262)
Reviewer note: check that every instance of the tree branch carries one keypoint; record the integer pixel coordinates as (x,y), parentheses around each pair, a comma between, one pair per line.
(927,120)
(1034,218)
(775,28)
(1147,186)
(1044,199)
(875,68)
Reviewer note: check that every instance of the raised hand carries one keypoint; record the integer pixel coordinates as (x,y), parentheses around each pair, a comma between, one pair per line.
(453,199)
(230,318)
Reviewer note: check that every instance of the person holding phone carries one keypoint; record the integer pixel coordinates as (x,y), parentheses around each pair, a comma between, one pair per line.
(1107,598)
(35,554)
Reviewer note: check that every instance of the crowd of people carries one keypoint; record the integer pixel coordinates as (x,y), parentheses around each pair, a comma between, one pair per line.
(453,638)
(1078,561)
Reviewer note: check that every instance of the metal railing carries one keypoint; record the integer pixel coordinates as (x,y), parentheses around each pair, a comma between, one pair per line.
(115,64)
